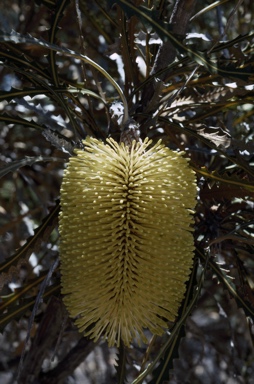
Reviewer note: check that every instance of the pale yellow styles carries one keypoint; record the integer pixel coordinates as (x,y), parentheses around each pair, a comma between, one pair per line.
(126,243)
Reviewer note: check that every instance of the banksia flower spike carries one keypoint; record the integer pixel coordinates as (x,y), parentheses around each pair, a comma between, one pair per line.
(126,240)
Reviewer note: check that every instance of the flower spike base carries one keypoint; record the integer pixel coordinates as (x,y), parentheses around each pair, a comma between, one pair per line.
(126,240)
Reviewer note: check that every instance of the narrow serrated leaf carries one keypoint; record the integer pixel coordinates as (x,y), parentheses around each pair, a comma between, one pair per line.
(229,286)
(12,265)
(16,38)
(18,310)
(61,5)
(38,299)
(201,58)
(234,180)
(120,365)
(18,120)
(15,165)
(216,135)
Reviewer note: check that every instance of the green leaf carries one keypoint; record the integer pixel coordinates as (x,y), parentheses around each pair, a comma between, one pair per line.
(17,38)
(120,364)
(21,60)
(18,310)
(18,120)
(12,264)
(209,143)
(227,282)
(61,5)
(234,180)
(13,93)
(15,165)
(201,58)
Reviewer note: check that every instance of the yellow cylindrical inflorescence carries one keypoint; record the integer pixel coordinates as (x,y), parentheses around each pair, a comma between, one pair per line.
(126,243)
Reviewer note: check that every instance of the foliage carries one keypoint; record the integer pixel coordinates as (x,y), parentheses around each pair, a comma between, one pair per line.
(69,69)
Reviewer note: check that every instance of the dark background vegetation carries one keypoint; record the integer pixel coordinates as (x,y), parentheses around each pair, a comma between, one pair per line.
(49,101)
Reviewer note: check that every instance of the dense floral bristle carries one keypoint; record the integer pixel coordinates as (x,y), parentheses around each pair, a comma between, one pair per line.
(126,240)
